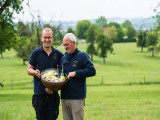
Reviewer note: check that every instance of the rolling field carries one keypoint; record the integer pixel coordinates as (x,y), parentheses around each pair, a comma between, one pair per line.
(130,90)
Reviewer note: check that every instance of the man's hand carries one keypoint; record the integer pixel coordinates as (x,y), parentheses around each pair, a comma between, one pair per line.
(49,91)
(37,73)
(71,74)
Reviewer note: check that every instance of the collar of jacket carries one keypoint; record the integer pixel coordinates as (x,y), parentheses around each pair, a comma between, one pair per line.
(74,53)
(41,48)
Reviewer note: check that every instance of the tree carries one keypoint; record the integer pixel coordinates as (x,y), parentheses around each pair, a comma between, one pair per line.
(81,28)
(91,38)
(120,35)
(142,39)
(70,30)
(131,33)
(126,23)
(104,45)
(101,21)
(7,32)
(111,33)
(25,43)
(157,30)
(152,42)
(114,24)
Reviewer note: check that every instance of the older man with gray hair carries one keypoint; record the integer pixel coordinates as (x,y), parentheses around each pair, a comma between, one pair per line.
(78,66)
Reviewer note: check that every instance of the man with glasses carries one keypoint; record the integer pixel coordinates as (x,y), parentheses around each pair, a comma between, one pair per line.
(78,66)
(44,100)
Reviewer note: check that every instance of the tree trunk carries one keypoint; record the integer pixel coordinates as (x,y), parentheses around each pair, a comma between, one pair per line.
(153,53)
(141,49)
(104,60)
(23,61)
(92,57)
(1,55)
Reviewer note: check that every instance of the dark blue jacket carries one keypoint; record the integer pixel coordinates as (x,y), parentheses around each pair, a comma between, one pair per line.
(79,62)
(41,61)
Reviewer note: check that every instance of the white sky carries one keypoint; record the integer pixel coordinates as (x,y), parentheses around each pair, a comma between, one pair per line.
(87,9)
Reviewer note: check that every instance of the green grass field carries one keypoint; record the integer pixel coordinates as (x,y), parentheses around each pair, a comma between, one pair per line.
(130,90)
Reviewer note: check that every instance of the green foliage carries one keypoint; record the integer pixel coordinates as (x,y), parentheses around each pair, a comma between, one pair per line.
(131,33)
(25,43)
(104,45)
(152,39)
(91,35)
(7,32)
(152,42)
(111,33)
(114,24)
(120,35)
(101,22)
(7,38)
(70,30)
(142,39)
(126,23)
(81,28)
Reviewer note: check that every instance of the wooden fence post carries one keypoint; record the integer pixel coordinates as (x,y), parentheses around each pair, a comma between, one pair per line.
(102,79)
(11,84)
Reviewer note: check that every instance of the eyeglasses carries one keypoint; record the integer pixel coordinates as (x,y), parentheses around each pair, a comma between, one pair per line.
(65,45)
(49,38)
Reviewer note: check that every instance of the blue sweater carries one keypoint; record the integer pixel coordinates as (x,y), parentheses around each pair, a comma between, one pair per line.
(79,62)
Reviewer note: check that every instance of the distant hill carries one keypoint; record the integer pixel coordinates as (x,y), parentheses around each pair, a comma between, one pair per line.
(138,23)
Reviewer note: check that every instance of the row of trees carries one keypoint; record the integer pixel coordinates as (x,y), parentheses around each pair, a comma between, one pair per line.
(24,37)
(116,32)
(151,39)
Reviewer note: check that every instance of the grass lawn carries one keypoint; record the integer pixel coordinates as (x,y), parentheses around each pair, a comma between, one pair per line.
(130,90)
(128,102)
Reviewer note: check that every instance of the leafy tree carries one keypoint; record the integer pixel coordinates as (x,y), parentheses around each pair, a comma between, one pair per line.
(157,30)
(7,32)
(81,28)
(91,38)
(25,43)
(126,23)
(101,21)
(111,33)
(131,33)
(142,39)
(120,35)
(104,45)
(70,30)
(58,36)
(152,42)
(114,24)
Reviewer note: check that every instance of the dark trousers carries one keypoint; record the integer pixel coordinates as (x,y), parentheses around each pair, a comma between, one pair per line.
(46,106)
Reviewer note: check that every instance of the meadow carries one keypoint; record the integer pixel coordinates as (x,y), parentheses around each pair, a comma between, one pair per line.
(125,88)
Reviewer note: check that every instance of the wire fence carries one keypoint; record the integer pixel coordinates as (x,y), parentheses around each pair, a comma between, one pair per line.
(92,81)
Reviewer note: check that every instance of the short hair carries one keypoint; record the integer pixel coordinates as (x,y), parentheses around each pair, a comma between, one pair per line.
(71,36)
(47,29)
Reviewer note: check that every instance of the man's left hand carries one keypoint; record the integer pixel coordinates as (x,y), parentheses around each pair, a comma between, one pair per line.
(71,74)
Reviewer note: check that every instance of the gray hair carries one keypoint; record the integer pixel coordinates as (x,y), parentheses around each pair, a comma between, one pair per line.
(48,30)
(71,36)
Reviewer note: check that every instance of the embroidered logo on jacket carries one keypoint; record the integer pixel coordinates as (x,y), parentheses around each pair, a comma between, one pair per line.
(75,63)
(55,56)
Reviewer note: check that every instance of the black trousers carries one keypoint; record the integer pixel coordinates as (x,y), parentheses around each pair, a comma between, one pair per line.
(46,106)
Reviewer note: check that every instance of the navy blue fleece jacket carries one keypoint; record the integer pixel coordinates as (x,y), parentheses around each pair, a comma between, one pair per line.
(79,62)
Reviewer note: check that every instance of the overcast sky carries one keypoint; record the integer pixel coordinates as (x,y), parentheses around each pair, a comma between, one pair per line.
(87,9)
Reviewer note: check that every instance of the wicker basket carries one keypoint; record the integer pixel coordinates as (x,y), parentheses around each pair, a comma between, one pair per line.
(55,86)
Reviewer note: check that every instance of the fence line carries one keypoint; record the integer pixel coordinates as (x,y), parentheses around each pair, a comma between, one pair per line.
(28,83)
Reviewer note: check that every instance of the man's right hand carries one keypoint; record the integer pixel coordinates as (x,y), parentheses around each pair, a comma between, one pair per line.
(49,91)
(37,73)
